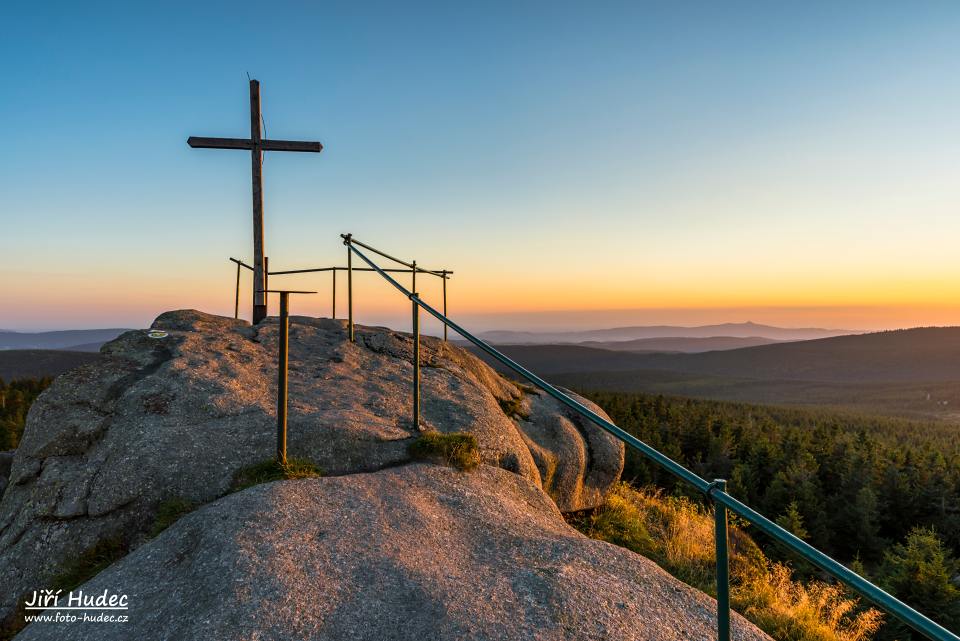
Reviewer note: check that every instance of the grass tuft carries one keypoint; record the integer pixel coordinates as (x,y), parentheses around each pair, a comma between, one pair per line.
(526,388)
(456,449)
(678,534)
(169,512)
(90,563)
(271,470)
(513,408)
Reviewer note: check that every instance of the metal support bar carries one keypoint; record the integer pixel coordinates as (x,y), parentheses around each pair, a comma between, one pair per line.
(444,304)
(348,239)
(413,270)
(333,310)
(416,361)
(721,535)
(350,251)
(283,339)
(356,269)
(282,364)
(236,304)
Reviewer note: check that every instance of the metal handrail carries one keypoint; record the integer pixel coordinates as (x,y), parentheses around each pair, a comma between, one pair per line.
(412,268)
(440,274)
(715,491)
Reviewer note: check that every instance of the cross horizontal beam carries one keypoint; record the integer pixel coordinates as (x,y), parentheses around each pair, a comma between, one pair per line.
(198,142)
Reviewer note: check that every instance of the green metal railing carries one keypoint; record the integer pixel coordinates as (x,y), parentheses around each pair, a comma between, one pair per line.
(715,491)
(408,268)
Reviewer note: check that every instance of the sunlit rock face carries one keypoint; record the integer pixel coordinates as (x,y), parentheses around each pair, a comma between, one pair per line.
(177,416)
(408,553)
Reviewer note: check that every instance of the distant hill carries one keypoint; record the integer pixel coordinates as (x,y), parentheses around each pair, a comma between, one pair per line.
(556,359)
(913,355)
(72,339)
(733,330)
(680,344)
(37,363)
(909,373)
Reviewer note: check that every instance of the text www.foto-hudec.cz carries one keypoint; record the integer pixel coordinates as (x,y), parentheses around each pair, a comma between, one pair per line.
(76,606)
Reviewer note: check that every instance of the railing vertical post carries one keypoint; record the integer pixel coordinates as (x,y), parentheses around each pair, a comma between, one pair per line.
(444,303)
(266,278)
(413,287)
(236,304)
(721,534)
(349,288)
(333,306)
(416,362)
(284,337)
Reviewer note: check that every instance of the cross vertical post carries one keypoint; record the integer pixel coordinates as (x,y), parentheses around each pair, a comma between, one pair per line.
(256,159)
(256,145)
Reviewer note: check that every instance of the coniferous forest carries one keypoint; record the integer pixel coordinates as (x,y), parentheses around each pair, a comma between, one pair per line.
(881,495)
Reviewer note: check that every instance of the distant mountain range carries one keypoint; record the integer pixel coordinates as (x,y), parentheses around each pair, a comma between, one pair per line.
(75,340)
(680,344)
(746,330)
(38,363)
(922,354)
(912,373)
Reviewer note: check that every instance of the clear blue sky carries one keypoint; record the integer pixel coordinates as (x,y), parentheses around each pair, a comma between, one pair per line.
(710,154)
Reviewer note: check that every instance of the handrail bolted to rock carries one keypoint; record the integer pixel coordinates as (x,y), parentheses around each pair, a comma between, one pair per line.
(715,491)
(282,368)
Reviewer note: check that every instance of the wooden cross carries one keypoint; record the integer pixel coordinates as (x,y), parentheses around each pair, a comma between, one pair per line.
(257,146)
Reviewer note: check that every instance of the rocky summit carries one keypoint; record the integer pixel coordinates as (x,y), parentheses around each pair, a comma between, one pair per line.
(420,552)
(380,547)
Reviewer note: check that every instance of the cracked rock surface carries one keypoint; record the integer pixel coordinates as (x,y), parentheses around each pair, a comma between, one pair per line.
(176,417)
(415,553)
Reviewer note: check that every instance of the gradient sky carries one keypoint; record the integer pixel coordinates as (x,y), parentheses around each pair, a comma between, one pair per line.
(692,163)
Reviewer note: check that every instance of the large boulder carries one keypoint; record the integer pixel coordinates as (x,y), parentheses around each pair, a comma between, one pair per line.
(176,417)
(413,553)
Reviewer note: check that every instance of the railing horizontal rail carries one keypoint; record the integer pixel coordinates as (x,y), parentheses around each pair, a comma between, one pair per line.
(663,460)
(241,263)
(885,600)
(439,274)
(394,259)
(712,490)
